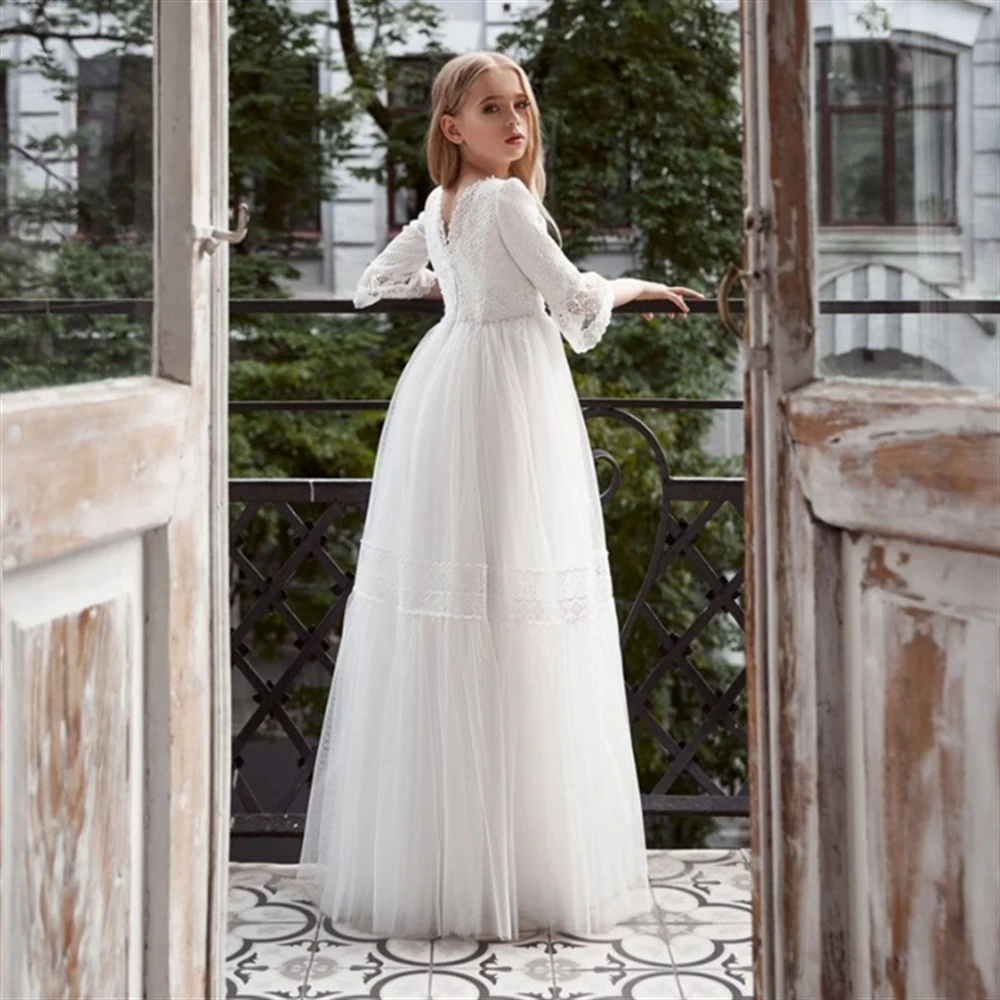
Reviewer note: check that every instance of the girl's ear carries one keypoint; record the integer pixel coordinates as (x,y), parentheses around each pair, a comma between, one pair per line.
(450,130)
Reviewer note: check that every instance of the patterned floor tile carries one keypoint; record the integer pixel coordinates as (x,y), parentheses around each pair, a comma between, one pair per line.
(680,864)
(267,894)
(351,961)
(328,979)
(614,983)
(520,968)
(272,968)
(626,946)
(713,960)
(711,892)
(517,984)
(694,943)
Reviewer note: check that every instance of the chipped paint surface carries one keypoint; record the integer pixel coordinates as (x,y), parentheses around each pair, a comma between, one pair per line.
(131,459)
(785,550)
(102,458)
(926,662)
(75,873)
(921,462)
(860,890)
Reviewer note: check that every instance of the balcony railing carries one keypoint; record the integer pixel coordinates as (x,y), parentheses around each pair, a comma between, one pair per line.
(315,523)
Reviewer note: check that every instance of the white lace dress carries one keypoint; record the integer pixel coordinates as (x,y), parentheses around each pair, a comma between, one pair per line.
(475,774)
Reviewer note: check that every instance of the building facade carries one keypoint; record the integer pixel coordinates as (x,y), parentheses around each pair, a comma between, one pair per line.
(907,111)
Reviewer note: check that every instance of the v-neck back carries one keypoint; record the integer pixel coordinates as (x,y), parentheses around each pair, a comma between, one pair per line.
(448,228)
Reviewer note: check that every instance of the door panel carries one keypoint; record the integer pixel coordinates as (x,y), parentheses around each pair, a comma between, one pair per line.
(114,697)
(873,557)
(924,628)
(74,670)
(76,193)
(907,460)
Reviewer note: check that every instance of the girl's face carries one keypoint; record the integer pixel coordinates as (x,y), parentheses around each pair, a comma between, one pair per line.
(494,112)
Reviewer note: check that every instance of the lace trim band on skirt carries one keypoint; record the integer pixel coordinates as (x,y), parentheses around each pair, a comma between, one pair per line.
(464,590)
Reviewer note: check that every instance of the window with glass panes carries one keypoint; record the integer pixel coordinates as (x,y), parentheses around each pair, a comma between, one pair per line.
(4,155)
(408,100)
(886,134)
(115,146)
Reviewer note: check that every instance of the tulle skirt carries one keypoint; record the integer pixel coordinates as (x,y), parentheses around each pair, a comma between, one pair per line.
(475,774)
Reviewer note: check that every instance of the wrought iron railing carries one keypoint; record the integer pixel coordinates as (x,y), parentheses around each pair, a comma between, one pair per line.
(676,539)
(319,519)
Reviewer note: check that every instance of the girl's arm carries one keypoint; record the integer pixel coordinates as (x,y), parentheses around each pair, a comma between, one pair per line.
(580,301)
(399,271)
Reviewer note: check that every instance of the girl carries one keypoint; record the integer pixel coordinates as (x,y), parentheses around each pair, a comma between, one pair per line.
(475,773)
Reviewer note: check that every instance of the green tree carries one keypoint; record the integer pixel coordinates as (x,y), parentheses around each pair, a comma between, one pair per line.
(642,127)
(642,131)
(639,113)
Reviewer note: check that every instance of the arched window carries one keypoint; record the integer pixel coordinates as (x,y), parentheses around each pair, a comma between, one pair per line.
(886,139)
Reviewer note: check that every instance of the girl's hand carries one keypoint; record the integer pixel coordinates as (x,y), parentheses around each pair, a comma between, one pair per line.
(655,290)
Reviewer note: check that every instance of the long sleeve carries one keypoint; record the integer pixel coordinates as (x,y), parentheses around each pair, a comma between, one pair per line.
(399,271)
(580,301)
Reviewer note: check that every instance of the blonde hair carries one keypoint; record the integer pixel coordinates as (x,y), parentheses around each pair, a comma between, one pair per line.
(448,93)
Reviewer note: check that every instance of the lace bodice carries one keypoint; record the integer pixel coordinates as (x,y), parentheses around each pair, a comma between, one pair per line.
(495,261)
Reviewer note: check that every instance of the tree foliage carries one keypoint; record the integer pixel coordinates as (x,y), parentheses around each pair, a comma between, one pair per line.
(642,131)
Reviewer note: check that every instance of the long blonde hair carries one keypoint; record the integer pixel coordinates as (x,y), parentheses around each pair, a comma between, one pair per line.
(451,85)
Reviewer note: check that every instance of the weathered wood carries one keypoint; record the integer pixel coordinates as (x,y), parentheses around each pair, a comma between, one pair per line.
(872,663)
(784,547)
(916,461)
(72,817)
(184,903)
(131,461)
(82,461)
(219,554)
(786,210)
(75,901)
(923,664)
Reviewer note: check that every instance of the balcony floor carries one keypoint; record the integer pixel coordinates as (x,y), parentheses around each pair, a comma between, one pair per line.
(695,944)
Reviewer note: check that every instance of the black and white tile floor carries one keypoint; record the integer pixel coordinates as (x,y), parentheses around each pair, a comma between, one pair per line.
(696,944)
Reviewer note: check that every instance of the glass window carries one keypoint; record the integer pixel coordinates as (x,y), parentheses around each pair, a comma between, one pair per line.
(886,115)
(909,234)
(283,206)
(115,147)
(76,201)
(408,98)
(4,154)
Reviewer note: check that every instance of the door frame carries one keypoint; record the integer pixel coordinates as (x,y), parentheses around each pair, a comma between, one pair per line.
(192,157)
(147,457)
(825,458)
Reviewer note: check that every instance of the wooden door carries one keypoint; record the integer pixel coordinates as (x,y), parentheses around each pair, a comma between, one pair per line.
(873,568)
(115,692)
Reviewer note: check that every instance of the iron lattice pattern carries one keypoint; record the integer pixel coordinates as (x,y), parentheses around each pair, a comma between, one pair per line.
(293,543)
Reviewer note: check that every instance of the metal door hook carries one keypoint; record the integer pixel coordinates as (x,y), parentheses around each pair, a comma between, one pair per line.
(733,272)
(209,239)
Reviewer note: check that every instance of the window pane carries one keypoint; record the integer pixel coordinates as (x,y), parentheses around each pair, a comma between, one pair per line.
(907,259)
(924,77)
(857,73)
(925,167)
(856,167)
(76,158)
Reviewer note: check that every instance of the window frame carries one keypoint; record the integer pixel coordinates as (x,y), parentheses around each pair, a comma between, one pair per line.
(889,111)
(141,224)
(431,62)
(5,152)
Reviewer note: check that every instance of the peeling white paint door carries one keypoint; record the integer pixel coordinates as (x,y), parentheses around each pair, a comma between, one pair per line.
(114,627)
(874,588)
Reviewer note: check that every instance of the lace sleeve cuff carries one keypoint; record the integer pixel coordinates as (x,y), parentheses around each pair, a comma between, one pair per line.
(585,315)
(377,283)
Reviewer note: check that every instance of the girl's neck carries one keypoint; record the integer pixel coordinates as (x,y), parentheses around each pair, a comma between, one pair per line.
(469,172)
